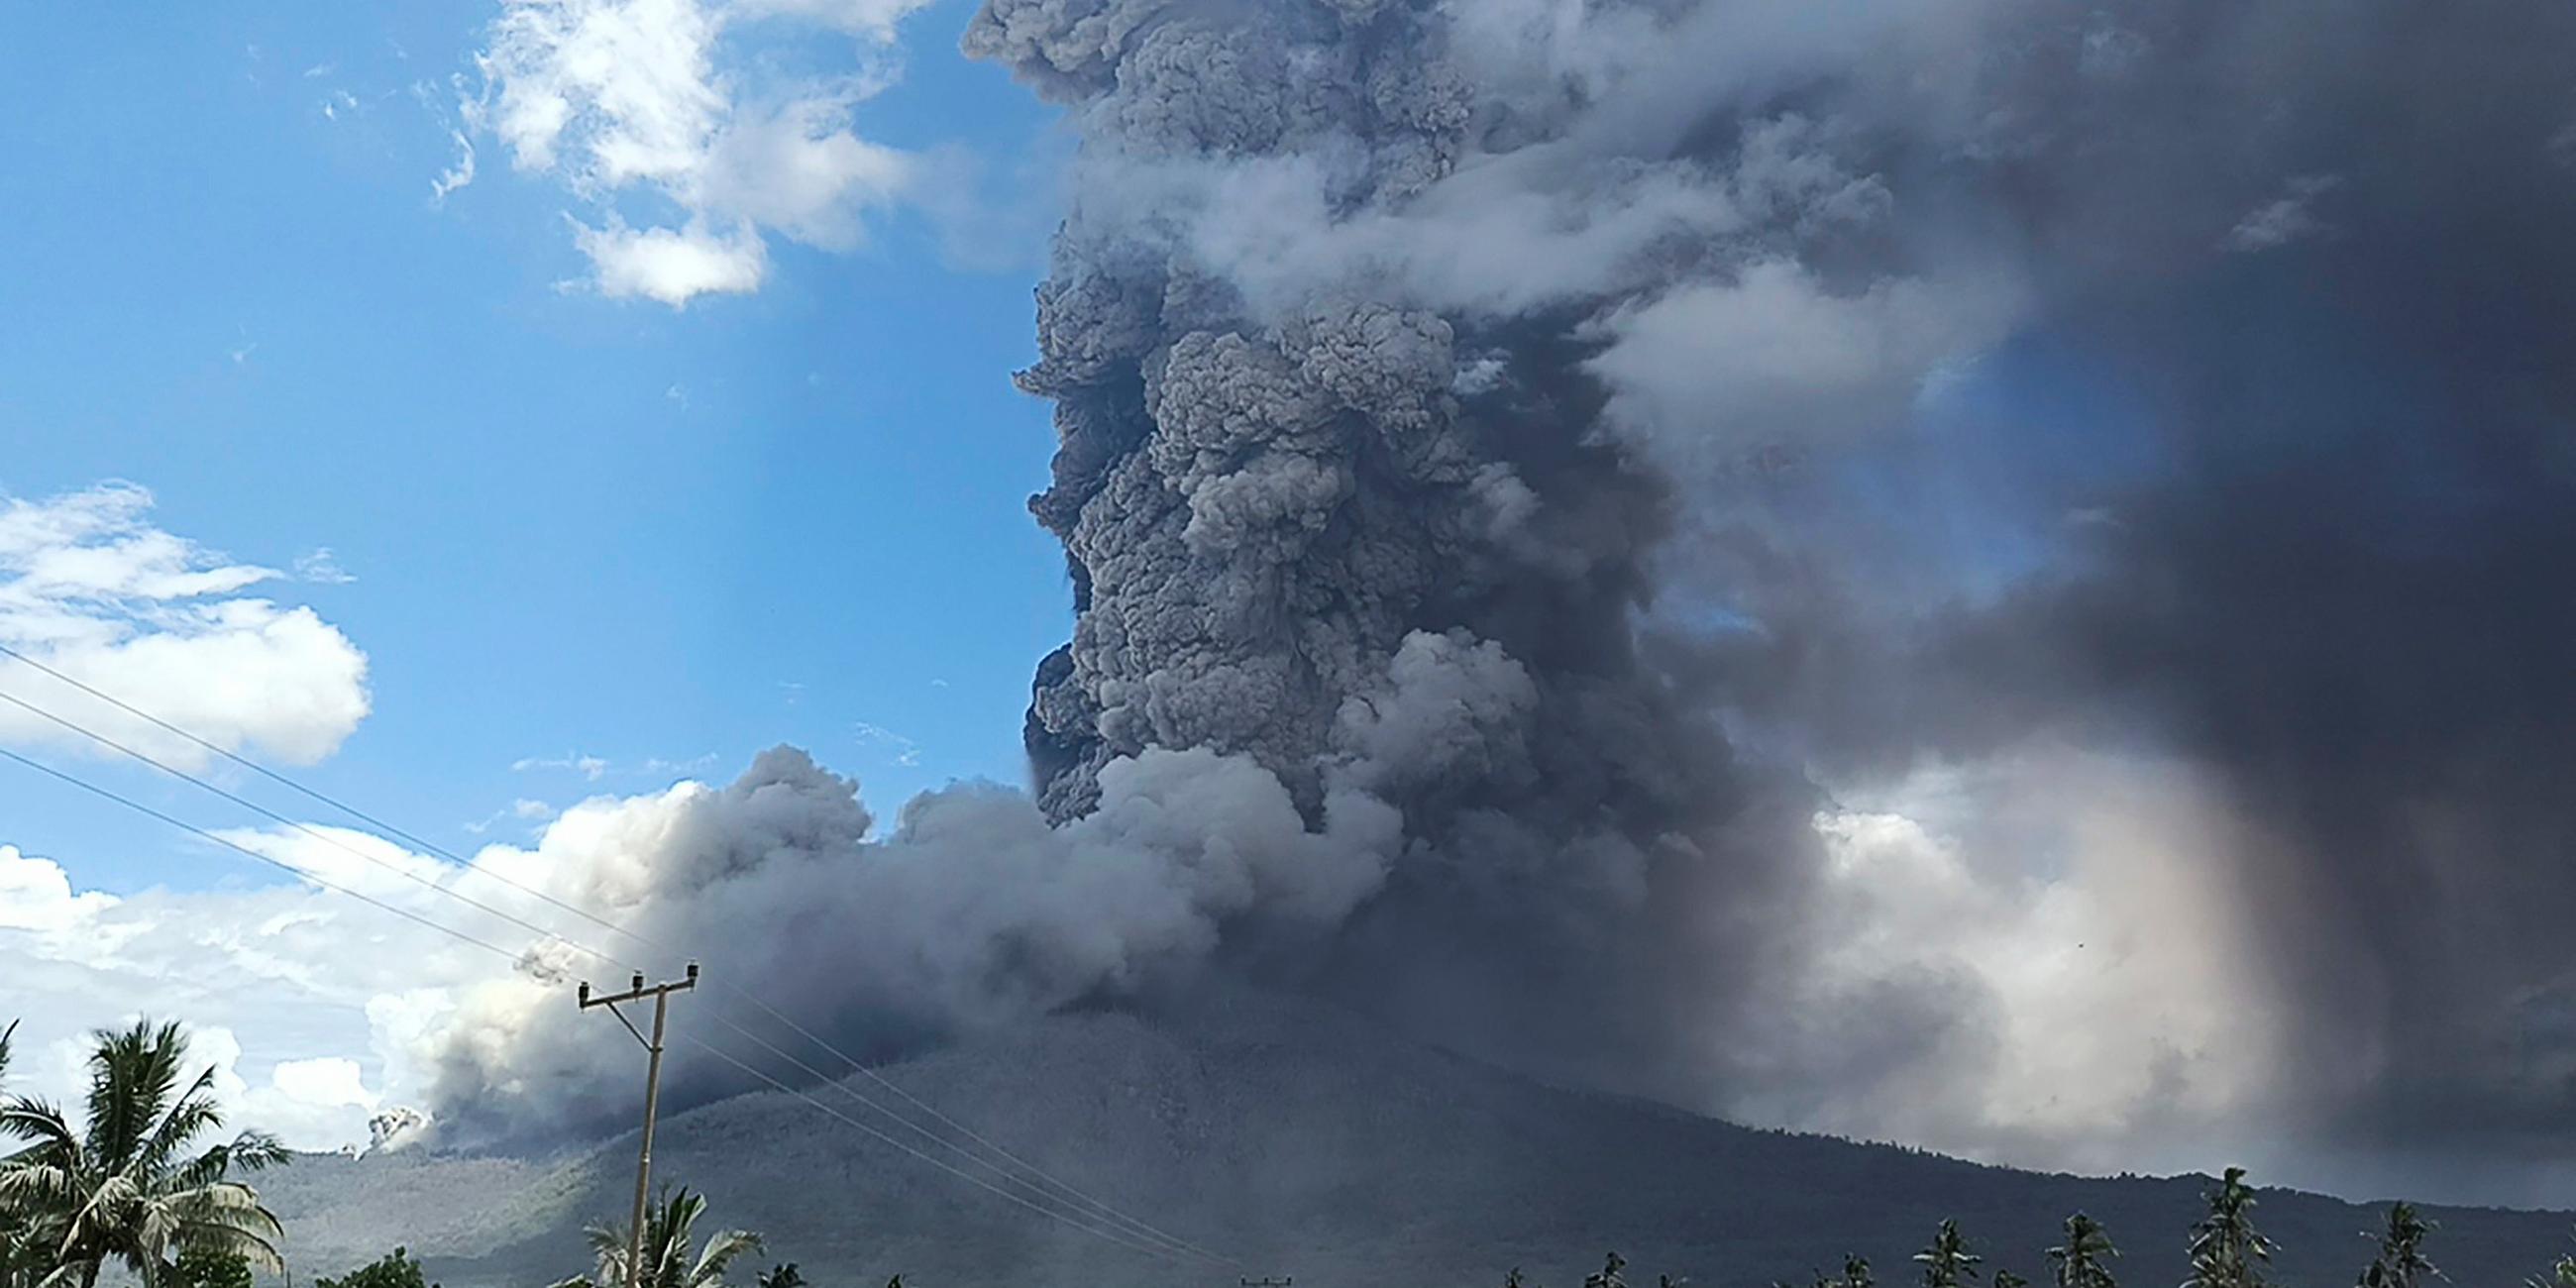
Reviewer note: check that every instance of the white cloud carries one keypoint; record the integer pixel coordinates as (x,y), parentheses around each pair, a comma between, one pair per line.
(36,895)
(90,588)
(646,99)
(278,985)
(672,265)
(351,860)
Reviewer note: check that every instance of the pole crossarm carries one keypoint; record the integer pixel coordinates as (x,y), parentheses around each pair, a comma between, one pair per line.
(661,995)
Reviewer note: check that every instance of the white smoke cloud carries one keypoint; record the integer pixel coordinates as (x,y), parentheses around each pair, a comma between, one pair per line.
(2041,893)
(89,587)
(649,98)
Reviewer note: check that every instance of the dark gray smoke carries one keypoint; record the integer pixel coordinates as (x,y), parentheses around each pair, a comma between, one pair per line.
(1524,412)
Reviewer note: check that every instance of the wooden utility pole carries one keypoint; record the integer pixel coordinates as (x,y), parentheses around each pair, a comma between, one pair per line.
(661,995)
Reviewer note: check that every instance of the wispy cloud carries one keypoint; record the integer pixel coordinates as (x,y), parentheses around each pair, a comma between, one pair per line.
(904,750)
(692,765)
(593,768)
(2291,217)
(523,810)
(318,565)
(457,175)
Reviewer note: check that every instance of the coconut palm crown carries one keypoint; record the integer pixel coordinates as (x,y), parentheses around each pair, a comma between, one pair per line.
(669,1233)
(125,1187)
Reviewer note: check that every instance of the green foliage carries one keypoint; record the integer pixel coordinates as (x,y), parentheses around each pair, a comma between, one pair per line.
(2083,1260)
(2401,1263)
(1608,1277)
(396,1270)
(201,1267)
(1855,1273)
(2226,1250)
(1948,1263)
(668,1247)
(783,1276)
(2007,1279)
(124,1187)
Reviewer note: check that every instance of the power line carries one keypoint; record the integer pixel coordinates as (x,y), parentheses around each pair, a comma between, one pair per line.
(186,826)
(873,1076)
(1043,1181)
(1174,1244)
(422,845)
(506,955)
(1065,1191)
(324,837)
(1099,1232)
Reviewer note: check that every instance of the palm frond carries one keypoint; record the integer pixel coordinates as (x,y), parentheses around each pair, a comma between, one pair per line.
(721,1252)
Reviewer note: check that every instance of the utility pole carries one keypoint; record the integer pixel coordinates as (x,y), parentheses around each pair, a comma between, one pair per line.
(661,995)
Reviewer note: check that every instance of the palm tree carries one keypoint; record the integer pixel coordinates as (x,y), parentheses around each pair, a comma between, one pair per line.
(1609,1276)
(785,1276)
(125,1188)
(1856,1273)
(1948,1263)
(669,1232)
(2080,1262)
(18,1258)
(2561,1275)
(2007,1279)
(2226,1250)
(2401,1263)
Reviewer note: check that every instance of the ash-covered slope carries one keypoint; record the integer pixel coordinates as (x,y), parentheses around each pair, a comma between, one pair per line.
(1305,1142)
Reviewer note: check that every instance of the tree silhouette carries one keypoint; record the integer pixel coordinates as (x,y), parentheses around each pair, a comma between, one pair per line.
(2401,1263)
(2080,1262)
(1948,1263)
(2226,1250)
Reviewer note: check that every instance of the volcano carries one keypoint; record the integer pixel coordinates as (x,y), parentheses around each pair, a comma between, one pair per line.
(1300,1141)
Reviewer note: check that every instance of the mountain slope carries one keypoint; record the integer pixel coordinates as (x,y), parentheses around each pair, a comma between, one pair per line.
(1305,1142)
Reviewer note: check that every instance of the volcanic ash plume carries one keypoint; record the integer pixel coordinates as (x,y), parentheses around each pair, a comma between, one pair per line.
(1796,559)
(1481,403)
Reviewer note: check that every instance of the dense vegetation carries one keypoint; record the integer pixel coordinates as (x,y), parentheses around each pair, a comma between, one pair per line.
(2227,1251)
(130,1185)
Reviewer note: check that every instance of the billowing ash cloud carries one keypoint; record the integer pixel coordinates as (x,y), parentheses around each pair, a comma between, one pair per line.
(1629,487)
(973,910)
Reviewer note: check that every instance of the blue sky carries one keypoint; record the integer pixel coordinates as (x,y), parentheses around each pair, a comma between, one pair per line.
(573,525)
